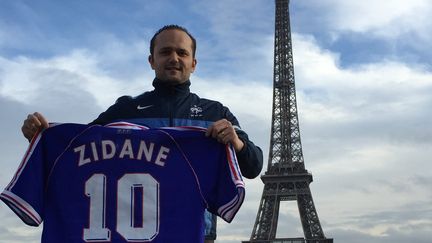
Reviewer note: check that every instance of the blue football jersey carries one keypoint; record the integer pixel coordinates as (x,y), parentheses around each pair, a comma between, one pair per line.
(124,183)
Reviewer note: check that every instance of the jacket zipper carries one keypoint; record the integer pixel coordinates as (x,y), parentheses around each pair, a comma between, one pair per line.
(170,107)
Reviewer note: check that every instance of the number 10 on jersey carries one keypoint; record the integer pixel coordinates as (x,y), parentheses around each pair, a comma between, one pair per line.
(95,189)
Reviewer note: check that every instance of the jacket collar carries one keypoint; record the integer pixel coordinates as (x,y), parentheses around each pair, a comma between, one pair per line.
(166,88)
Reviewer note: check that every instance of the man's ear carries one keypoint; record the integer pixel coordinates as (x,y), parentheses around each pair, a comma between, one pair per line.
(151,61)
(194,63)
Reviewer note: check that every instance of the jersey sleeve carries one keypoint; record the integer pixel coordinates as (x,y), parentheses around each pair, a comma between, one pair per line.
(24,194)
(230,186)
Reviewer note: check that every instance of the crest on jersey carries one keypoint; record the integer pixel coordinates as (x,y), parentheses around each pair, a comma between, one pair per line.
(196,111)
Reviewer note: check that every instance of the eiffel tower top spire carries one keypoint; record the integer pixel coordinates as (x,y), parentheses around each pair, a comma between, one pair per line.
(286,153)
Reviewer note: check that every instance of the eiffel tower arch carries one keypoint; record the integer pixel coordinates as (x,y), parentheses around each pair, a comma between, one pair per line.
(286,178)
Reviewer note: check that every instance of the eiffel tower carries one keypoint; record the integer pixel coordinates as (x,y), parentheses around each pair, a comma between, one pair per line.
(286,178)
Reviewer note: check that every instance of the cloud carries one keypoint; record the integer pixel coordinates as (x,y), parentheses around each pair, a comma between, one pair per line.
(368,31)
(237,40)
(365,135)
(383,92)
(13,230)
(15,34)
(380,18)
(411,221)
(69,79)
(366,128)
(11,142)
(354,236)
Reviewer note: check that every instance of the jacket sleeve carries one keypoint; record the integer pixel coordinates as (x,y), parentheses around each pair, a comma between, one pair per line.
(250,158)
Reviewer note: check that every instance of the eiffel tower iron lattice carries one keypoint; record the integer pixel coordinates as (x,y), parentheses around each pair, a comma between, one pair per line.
(286,178)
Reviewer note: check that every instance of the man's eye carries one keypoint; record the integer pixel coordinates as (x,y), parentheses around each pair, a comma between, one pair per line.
(183,53)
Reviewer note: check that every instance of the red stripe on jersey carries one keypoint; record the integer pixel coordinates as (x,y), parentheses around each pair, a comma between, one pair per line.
(231,163)
(21,207)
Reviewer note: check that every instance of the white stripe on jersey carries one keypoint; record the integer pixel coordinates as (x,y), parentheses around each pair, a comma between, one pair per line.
(22,208)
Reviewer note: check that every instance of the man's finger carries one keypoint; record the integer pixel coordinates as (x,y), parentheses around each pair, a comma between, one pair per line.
(32,121)
(41,120)
(209,131)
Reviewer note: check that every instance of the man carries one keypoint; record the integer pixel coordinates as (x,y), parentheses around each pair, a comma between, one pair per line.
(172,57)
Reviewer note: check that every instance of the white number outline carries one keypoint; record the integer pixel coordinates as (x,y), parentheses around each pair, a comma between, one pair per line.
(95,190)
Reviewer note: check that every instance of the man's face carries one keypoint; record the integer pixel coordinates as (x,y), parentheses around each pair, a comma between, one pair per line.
(172,58)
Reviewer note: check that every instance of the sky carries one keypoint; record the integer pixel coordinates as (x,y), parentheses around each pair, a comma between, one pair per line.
(364,91)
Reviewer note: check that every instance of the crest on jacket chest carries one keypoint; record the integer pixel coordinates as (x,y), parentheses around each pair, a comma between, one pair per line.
(196,111)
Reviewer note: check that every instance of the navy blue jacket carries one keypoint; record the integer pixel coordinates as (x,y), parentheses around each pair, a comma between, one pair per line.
(169,105)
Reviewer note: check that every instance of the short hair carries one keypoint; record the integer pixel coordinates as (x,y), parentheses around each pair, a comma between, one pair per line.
(172,27)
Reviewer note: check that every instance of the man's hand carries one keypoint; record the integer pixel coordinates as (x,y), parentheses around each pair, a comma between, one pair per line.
(32,124)
(224,132)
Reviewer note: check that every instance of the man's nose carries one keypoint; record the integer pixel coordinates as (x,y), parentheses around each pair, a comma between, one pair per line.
(173,57)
